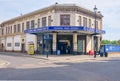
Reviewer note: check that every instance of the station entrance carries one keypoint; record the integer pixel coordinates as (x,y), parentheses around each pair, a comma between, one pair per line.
(65,44)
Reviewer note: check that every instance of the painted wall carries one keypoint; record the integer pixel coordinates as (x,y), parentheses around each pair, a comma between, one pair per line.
(17,39)
(88,43)
(31,38)
(3,41)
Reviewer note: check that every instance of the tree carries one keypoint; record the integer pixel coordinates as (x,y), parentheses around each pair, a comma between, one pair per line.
(110,42)
(106,42)
(115,42)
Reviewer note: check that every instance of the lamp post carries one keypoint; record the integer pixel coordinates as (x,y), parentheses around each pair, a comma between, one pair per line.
(95,37)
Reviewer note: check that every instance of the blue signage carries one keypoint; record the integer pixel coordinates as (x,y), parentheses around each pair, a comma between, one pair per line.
(57,28)
(53,28)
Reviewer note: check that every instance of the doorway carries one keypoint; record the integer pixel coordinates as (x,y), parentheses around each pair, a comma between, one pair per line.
(65,44)
(22,48)
(63,47)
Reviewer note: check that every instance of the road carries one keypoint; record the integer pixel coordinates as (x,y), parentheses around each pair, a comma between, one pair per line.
(18,67)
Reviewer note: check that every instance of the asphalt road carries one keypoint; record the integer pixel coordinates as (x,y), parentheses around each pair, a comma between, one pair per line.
(27,68)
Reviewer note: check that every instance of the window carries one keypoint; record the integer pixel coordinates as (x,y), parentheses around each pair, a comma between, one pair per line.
(38,22)
(97,24)
(9,44)
(49,20)
(28,25)
(2,31)
(11,29)
(43,21)
(84,21)
(80,21)
(64,20)
(18,28)
(22,27)
(89,22)
(6,30)
(14,28)
(32,24)
(17,44)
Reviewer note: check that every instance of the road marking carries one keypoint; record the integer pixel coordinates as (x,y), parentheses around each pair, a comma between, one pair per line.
(4,63)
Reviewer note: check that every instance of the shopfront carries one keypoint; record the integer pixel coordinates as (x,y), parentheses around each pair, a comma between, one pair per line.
(66,40)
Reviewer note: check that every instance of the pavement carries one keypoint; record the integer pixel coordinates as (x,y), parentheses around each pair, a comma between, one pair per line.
(3,63)
(59,67)
(62,58)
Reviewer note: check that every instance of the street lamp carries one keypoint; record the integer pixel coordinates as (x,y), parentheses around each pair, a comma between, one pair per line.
(95,37)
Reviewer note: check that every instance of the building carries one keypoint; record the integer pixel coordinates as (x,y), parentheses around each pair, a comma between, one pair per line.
(64,28)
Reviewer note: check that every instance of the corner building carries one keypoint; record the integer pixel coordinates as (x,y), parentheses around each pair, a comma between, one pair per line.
(63,28)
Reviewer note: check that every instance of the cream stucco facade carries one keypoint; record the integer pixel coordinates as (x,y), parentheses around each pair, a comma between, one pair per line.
(17,33)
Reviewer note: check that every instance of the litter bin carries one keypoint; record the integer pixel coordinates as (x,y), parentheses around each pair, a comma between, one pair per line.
(58,52)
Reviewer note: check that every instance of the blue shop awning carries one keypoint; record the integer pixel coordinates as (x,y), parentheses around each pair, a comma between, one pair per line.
(64,28)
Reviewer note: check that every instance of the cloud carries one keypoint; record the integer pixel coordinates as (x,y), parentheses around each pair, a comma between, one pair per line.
(110,10)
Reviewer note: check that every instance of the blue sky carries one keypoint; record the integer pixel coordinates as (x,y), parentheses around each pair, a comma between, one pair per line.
(109,8)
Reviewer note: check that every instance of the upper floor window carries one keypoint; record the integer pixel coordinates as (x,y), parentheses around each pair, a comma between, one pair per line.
(97,24)
(89,22)
(85,21)
(38,22)
(11,29)
(22,27)
(49,20)
(43,21)
(18,28)
(64,20)
(6,30)
(32,24)
(14,28)
(80,21)
(2,31)
(28,25)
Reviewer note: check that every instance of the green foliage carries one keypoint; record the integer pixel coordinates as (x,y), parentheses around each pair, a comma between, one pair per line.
(110,42)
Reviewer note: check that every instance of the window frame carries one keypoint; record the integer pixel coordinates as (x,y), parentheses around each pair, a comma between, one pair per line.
(28,25)
(65,20)
(84,21)
(38,21)
(18,28)
(32,24)
(44,24)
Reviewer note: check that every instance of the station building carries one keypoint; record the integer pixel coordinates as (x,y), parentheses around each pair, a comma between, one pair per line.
(66,28)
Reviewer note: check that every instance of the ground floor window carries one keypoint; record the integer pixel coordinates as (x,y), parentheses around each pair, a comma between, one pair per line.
(81,44)
(44,43)
(64,44)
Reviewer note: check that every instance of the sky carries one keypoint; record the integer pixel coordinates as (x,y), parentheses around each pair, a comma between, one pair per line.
(109,8)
